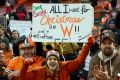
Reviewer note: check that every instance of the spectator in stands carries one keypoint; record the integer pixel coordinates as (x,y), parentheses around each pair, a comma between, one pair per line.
(2,33)
(27,50)
(106,64)
(105,18)
(108,16)
(4,46)
(16,40)
(100,9)
(111,24)
(112,27)
(21,13)
(54,69)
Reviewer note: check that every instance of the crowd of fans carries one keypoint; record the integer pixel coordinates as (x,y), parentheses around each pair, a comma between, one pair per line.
(13,56)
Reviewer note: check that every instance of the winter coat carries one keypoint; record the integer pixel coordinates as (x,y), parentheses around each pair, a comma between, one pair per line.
(112,63)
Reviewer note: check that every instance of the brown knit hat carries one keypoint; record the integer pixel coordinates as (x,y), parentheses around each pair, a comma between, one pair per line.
(52,53)
(107,34)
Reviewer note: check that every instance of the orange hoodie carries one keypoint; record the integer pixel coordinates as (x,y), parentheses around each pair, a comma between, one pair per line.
(66,68)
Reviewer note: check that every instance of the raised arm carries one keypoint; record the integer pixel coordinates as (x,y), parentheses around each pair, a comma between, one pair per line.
(24,75)
(74,64)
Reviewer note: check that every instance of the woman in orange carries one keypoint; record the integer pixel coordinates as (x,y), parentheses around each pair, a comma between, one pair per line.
(54,69)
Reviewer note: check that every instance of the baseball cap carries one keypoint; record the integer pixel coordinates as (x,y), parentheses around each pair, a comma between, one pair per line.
(107,34)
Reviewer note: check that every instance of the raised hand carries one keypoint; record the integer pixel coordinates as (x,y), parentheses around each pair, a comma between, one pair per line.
(91,40)
(30,61)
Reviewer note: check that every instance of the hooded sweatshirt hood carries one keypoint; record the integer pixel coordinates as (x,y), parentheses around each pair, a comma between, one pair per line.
(105,59)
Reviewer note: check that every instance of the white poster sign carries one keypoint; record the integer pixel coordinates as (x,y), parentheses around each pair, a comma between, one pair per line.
(23,27)
(62,22)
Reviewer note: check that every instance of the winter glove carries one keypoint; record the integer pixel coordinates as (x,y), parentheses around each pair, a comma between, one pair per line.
(91,40)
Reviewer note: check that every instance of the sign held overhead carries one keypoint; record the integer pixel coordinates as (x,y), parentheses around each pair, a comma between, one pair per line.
(62,22)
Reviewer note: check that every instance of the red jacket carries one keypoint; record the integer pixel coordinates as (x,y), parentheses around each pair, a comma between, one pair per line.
(66,68)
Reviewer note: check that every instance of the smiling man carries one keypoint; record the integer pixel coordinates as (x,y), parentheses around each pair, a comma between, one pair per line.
(27,50)
(106,64)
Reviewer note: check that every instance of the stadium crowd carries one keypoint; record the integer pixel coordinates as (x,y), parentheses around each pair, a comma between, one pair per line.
(97,59)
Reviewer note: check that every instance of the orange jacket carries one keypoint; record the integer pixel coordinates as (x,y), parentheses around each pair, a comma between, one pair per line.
(66,68)
(17,63)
